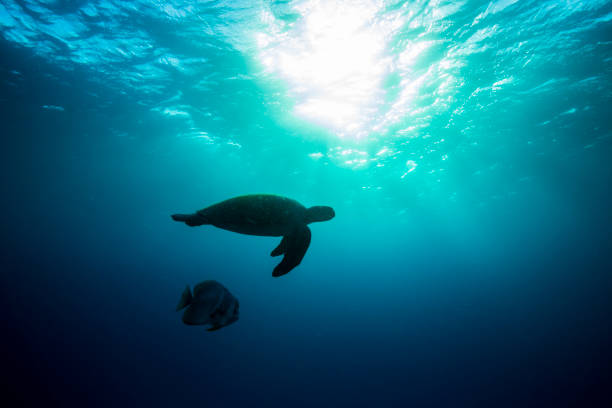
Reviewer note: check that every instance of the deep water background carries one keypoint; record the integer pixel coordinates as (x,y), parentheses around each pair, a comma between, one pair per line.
(468,264)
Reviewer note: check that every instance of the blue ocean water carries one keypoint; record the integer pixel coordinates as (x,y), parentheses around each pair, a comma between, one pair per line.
(464,145)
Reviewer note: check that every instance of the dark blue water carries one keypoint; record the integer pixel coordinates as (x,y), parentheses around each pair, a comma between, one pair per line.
(465,147)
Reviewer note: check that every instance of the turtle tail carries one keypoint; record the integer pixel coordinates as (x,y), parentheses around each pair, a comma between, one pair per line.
(193,220)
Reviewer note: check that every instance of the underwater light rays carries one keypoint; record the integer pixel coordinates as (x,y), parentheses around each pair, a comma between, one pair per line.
(369,73)
(355,69)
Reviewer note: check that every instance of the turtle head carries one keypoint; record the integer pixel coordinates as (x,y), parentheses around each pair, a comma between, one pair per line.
(319,213)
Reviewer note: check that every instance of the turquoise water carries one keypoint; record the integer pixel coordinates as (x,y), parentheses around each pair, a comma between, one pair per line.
(464,145)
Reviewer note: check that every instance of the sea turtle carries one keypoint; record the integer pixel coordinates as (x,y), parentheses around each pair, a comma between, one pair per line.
(211,303)
(265,215)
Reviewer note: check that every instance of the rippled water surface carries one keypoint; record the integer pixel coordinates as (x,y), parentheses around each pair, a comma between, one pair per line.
(465,146)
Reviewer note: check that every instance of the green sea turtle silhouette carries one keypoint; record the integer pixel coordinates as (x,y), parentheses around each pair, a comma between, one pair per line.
(265,215)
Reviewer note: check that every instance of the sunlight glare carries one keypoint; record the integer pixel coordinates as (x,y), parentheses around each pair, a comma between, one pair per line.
(334,61)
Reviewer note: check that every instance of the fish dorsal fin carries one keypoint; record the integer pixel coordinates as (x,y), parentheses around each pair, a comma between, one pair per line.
(296,245)
(185,299)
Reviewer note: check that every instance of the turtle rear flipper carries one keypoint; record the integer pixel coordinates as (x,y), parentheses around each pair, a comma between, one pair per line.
(193,220)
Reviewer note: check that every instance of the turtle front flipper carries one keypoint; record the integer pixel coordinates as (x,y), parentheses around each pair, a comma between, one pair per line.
(281,248)
(294,246)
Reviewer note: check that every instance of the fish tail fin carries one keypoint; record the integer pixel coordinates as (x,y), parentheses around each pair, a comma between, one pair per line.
(193,220)
(185,299)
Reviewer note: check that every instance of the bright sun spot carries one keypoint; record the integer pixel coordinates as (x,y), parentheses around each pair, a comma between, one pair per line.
(334,61)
